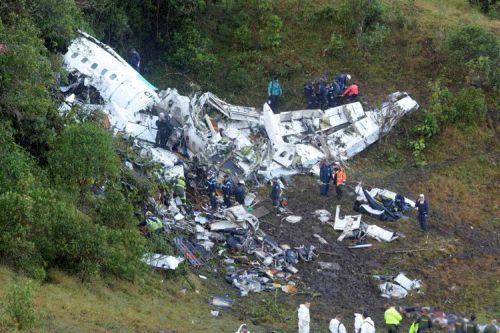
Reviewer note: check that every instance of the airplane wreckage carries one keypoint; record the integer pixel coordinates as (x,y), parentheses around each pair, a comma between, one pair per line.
(246,142)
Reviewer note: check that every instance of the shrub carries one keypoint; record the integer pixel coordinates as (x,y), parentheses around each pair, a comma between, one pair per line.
(335,45)
(470,106)
(83,155)
(359,16)
(374,37)
(271,35)
(470,42)
(191,50)
(19,305)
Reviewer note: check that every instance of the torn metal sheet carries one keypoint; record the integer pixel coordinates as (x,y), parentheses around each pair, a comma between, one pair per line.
(162,261)
(380,233)
(391,290)
(353,221)
(406,283)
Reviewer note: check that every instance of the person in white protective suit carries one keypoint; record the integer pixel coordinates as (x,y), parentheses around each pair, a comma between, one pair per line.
(243,329)
(336,325)
(304,317)
(368,325)
(358,321)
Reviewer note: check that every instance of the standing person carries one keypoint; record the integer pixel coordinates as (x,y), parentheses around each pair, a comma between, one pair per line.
(134,59)
(352,93)
(392,318)
(424,322)
(368,325)
(180,188)
(358,321)
(164,130)
(276,192)
(304,317)
(321,94)
(325,175)
(343,79)
(340,178)
(274,91)
(212,187)
(471,326)
(491,327)
(309,95)
(240,192)
(227,190)
(334,92)
(423,212)
(336,325)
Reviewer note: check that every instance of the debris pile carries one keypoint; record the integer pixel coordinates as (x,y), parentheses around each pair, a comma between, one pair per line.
(397,287)
(206,134)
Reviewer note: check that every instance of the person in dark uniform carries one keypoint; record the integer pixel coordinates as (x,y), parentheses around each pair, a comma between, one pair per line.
(309,95)
(240,192)
(423,212)
(276,192)
(471,326)
(134,59)
(164,130)
(212,187)
(424,322)
(325,176)
(227,190)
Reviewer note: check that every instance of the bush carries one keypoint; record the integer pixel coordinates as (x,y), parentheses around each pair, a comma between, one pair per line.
(83,155)
(373,38)
(359,16)
(470,42)
(191,50)
(335,45)
(482,73)
(271,35)
(470,106)
(19,305)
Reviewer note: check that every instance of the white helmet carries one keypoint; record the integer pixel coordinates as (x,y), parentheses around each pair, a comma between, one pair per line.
(348,77)
(161,115)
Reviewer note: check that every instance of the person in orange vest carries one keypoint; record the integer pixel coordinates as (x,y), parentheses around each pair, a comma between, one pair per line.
(352,93)
(339,179)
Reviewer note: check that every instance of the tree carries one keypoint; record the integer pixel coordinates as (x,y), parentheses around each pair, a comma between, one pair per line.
(83,155)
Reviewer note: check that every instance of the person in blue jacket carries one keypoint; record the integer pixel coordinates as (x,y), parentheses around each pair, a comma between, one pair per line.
(240,192)
(309,94)
(423,212)
(325,175)
(343,80)
(274,91)
(227,190)
(134,59)
(321,94)
(276,192)
(334,93)
(212,187)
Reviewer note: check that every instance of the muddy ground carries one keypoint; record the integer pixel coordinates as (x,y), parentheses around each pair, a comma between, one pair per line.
(438,258)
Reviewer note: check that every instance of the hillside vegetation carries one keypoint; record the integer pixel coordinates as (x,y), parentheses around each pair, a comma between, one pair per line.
(71,253)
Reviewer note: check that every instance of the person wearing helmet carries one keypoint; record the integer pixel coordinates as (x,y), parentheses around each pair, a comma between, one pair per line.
(180,188)
(343,80)
(227,190)
(240,192)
